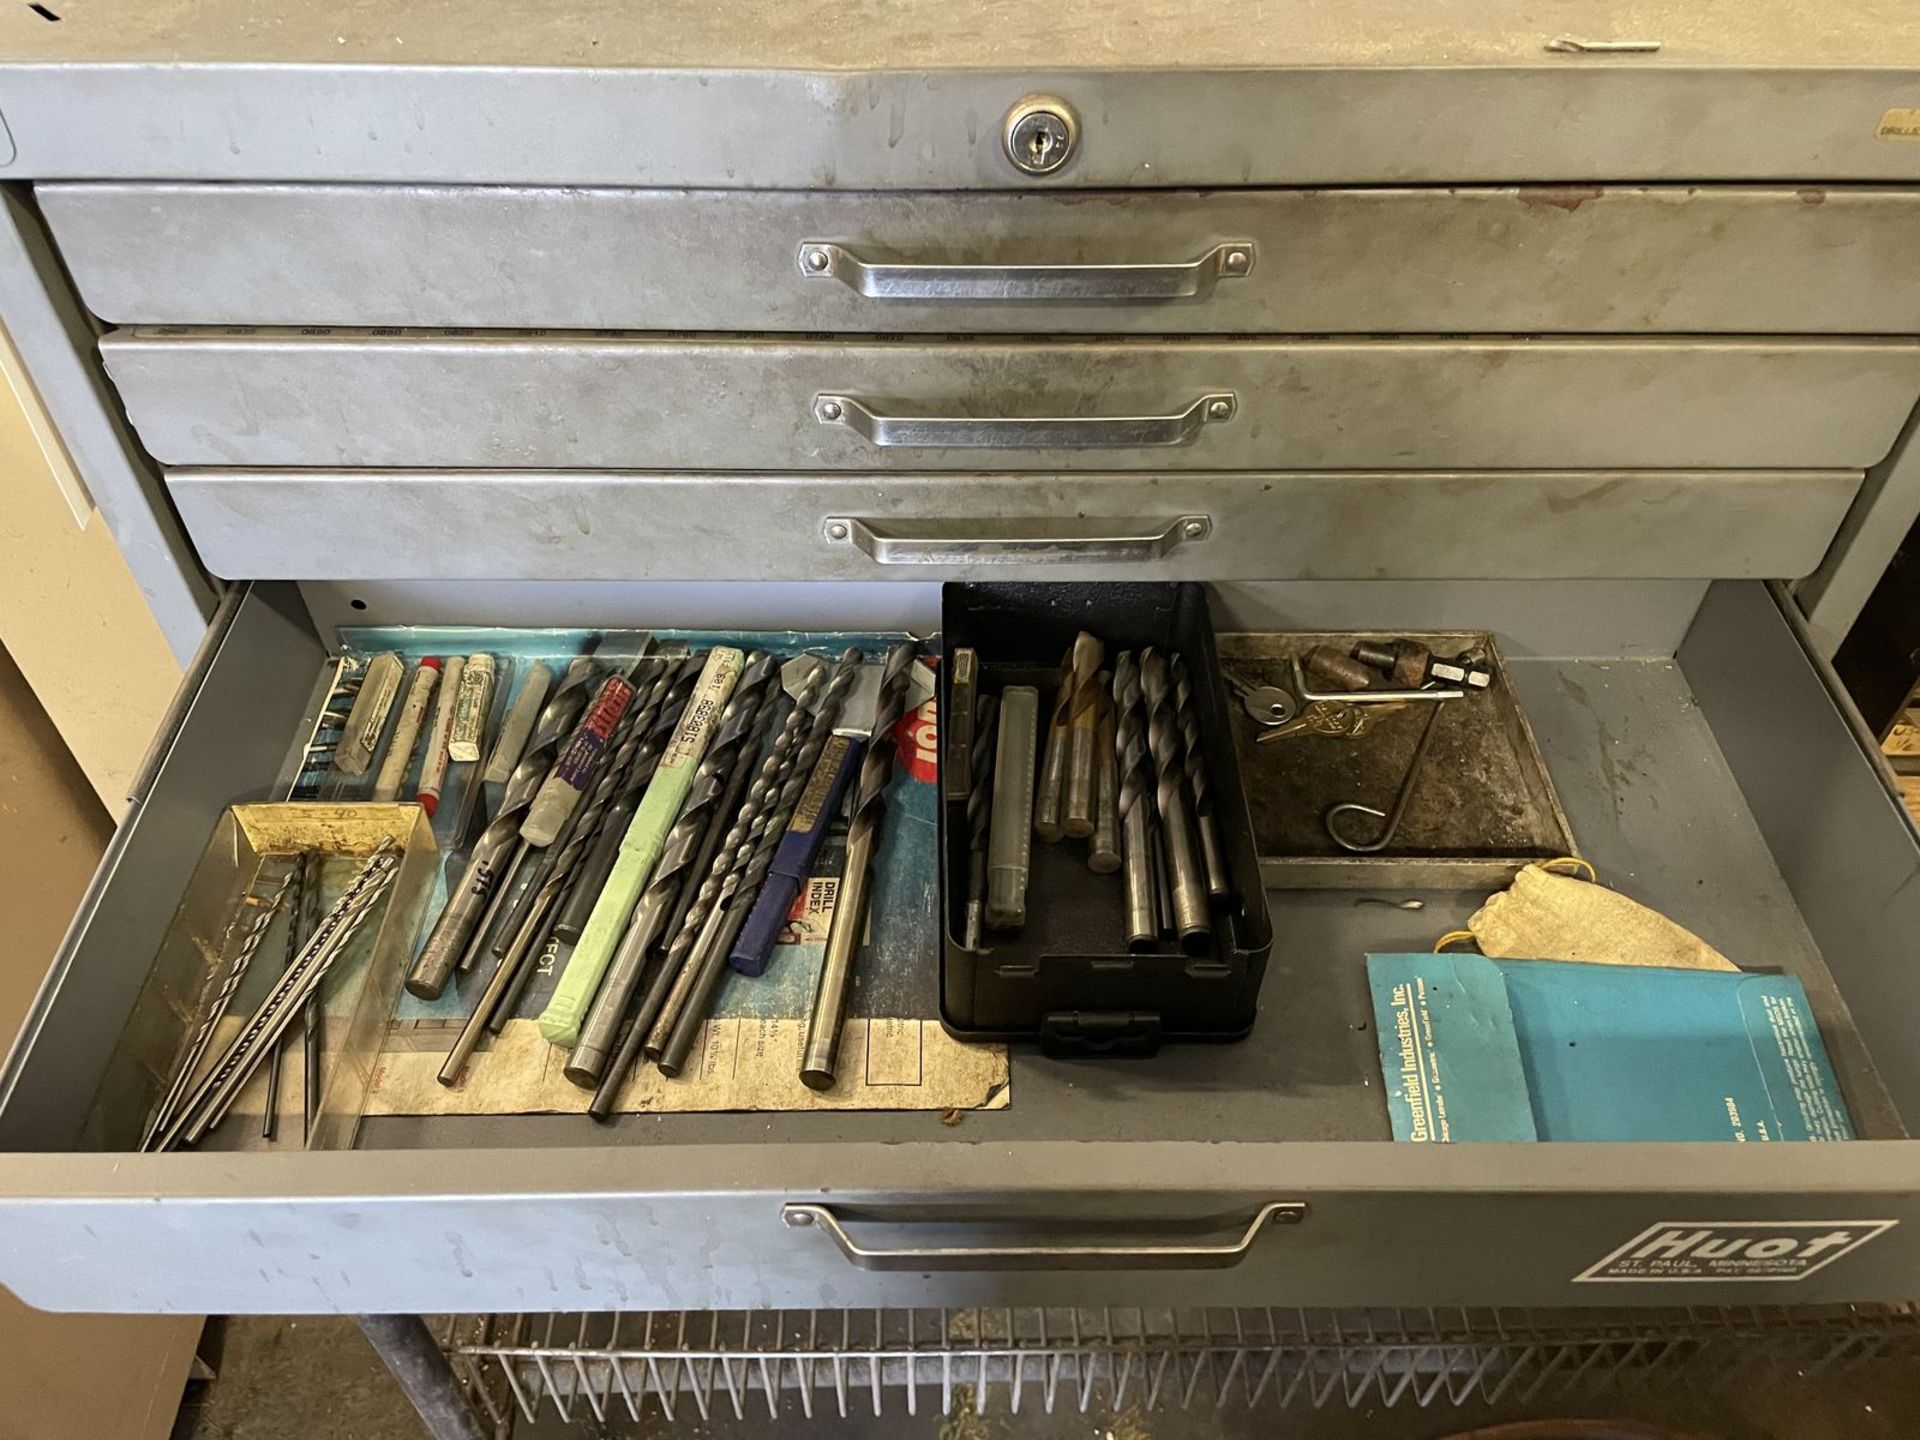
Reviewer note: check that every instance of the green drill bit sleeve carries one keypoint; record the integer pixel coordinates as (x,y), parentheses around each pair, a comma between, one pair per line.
(640,850)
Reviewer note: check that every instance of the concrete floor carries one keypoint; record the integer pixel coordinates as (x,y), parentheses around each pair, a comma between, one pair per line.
(317,1379)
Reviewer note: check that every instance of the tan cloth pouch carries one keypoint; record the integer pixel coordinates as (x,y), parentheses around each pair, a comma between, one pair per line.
(1549,916)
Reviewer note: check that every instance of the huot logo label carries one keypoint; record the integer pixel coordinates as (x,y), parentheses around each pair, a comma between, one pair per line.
(1723,1250)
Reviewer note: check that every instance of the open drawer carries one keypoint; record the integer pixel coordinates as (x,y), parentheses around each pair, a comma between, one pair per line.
(1720,779)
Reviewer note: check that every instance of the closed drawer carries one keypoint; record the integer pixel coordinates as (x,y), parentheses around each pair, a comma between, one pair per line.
(533,400)
(1526,259)
(479,524)
(1726,786)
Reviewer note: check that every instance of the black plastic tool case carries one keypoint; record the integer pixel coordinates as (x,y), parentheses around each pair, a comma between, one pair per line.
(1067,979)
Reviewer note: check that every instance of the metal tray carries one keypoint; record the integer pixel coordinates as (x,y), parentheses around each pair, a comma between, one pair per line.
(1483,807)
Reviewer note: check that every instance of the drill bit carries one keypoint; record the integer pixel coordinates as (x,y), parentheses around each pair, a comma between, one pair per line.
(1050,789)
(818,1059)
(1083,722)
(659,711)
(1213,855)
(790,763)
(296,903)
(1186,876)
(695,833)
(458,931)
(250,938)
(677,974)
(1136,804)
(1103,848)
(979,814)
(538,754)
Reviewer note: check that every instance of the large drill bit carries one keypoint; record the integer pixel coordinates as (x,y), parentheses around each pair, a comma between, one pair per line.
(695,833)
(250,938)
(1083,721)
(659,711)
(1213,854)
(1136,804)
(1186,875)
(678,971)
(818,1059)
(986,736)
(537,757)
(1050,789)
(792,768)
(458,931)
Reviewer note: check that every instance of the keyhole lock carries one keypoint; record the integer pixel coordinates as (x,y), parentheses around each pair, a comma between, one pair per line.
(1041,134)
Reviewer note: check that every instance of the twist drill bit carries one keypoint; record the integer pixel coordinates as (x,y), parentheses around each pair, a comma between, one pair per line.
(818,1059)
(678,971)
(1083,720)
(1103,847)
(547,890)
(1136,803)
(1213,855)
(1186,876)
(458,930)
(1050,790)
(792,768)
(986,736)
(251,936)
(695,834)
(538,754)
(659,712)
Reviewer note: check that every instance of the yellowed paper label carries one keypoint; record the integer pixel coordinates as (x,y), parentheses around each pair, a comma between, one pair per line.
(740,1064)
(1901,123)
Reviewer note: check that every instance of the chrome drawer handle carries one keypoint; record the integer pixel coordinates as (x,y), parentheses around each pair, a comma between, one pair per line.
(889,280)
(1023,432)
(1192,1256)
(1015,542)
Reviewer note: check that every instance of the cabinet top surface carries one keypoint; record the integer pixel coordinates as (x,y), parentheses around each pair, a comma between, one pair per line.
(895,35)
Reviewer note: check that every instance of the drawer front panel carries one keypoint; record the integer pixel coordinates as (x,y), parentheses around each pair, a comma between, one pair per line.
(480,525)
(537,401)
(1528,259)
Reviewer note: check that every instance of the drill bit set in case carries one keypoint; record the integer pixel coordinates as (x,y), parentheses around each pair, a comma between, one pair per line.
(1075,974)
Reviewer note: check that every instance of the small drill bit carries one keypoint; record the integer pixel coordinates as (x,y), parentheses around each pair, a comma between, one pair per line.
(296,903)
(1186,876)
(986,736)
(1212,854)
(819,1058)
(1136,804)
(1083,723)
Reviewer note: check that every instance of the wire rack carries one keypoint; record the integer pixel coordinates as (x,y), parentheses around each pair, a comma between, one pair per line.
(836,1362)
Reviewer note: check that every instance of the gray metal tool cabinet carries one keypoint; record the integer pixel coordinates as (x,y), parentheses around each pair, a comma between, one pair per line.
(1594,326)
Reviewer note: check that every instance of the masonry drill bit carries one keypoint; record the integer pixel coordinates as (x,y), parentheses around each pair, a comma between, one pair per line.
(538,754)
(799,821)
(1213,855)
(1083,724)
(818,1060)
(1136,804)
(254,932)
(679,862)
(678,971)
(789,763)
(458,930)
(986,737)
(656,713)
(732,734)
(1186,875)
